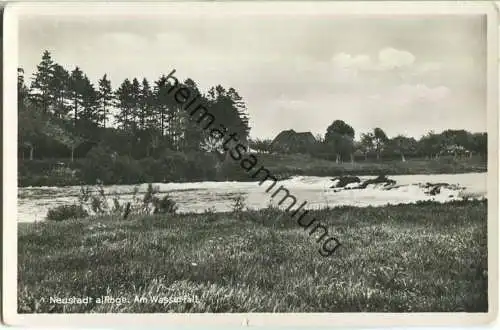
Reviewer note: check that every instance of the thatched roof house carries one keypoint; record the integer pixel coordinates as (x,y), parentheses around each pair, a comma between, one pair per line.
(290,141)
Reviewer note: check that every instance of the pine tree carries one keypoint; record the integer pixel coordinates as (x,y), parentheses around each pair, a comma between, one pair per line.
(105,98)
(59,90)
(242,112)
(76,87)
(230,111)
(28,121)
(145,102)
(135,99)
(40,86)
(193,132)
(90,110)
(124,104)
(22,90)
(161,100)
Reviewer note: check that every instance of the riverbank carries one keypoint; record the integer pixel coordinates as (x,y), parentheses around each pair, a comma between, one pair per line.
(424,257)
(193,168)
(319,192)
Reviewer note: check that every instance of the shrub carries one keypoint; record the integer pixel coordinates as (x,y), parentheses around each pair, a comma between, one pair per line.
(239,204)
(153,169)
(201,166)
(231,170)
(150,197)
(65,212)
(210,214)
(47,180)
(164,205)
(98,164)
(98,201)
(127,170)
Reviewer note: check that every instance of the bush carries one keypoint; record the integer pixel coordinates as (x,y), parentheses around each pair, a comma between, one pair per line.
(38,166)
(128,171)
(151,203)
(47,180)
(98,165)
(201,166)
(164,205)
(97,201)
(238,204)
(65,212)
(50,172)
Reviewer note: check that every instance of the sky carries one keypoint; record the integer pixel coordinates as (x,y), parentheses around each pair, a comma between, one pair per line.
(405,74)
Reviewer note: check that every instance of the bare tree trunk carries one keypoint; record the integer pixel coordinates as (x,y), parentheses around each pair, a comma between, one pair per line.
(32,151)
(337,159)
(72,153)
(352,158)
(403,159)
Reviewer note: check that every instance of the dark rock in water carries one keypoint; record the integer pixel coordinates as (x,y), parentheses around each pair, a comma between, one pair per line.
(435,188)
(434,191)
(391,187)
(439,184)
(377,180)
(344,181)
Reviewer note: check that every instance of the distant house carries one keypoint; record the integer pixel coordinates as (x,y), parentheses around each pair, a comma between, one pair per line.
(290,141)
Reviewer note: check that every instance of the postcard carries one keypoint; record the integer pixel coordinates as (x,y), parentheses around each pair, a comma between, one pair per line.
(250,163)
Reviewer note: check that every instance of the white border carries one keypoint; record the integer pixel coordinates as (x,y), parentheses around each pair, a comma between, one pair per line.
(131,9)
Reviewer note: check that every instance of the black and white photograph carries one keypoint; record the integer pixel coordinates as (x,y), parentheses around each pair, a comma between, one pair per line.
(276,159)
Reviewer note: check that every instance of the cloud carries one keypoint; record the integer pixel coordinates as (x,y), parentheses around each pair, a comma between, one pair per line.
(347,61)
(388,68)
(428,67)
(390,58)
(409,94)
(129,41)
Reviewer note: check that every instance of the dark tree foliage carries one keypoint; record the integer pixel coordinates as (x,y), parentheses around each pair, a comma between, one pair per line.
(41,84)
(104,99)
(340,138)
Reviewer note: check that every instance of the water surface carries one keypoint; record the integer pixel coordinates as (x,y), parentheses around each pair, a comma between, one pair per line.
(34,202)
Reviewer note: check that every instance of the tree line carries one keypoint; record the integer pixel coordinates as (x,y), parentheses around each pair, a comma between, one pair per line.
(137,132)
(62,114)
(339,144)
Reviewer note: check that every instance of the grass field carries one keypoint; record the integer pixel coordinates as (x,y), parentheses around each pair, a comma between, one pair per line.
(425,257)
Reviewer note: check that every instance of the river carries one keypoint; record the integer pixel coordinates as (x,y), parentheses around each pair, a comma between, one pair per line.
(34,202)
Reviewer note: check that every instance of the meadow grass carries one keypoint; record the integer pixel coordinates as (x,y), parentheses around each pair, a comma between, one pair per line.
(424,257)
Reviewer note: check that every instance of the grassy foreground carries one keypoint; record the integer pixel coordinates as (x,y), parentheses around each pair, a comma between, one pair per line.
(425,257)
